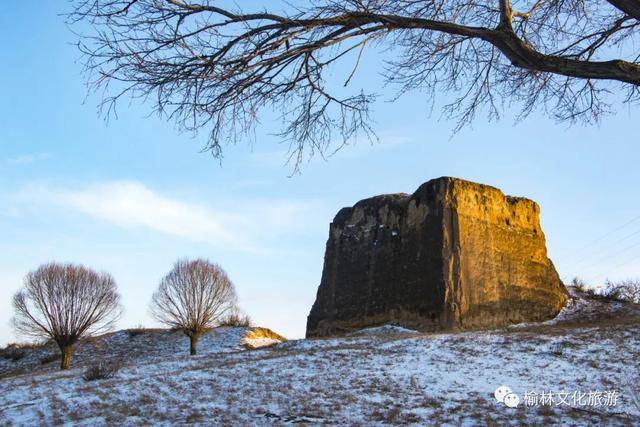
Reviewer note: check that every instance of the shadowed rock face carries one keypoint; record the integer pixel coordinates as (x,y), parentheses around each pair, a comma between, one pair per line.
(453,255)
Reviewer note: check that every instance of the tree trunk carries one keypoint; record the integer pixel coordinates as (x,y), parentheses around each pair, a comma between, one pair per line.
(193,338)
(67,354)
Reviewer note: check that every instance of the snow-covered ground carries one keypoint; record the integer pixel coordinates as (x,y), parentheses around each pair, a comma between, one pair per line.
(382,376)
(139,346)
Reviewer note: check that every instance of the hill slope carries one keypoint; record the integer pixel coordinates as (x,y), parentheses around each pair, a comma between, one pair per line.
(379,376)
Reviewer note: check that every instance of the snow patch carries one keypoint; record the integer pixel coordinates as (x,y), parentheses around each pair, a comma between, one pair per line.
(259,342)
(383,330)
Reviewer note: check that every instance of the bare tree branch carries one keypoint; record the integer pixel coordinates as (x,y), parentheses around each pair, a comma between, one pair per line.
(207,66)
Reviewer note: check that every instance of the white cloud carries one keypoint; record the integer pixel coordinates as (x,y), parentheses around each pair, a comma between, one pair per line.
(26,159)
(351,149)
(364,146)
(132,204)
(238,224)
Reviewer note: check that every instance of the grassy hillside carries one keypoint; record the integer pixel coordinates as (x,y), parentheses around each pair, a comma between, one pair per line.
(383,375)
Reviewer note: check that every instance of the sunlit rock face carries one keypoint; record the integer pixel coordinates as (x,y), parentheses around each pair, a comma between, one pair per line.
(453,255)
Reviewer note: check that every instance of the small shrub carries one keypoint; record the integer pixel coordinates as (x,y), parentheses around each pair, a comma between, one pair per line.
(390,415)
(134,332)
(625,290)
(101,371)
(95,340)
(13,353)
(635,396)
(612,292)
(236,320)
(587,291)
(579,284)
(52,357)
(556,348)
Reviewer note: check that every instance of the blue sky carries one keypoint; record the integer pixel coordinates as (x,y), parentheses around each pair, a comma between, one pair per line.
(133,196)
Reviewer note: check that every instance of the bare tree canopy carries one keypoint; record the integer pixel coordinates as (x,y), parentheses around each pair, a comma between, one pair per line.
(207,66)
(65,302)
(192,297)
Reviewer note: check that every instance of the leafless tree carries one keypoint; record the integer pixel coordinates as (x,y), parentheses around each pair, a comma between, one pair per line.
(208,66)
(65,302)
(192,297)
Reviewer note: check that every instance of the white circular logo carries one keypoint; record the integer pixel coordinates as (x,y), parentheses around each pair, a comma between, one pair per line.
(504,394)
(512,400)
(501,392)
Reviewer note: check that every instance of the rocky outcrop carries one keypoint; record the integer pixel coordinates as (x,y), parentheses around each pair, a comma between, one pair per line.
(453,255)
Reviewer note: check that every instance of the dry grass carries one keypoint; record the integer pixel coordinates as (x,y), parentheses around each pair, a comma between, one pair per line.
(102,371)
(264,333)
(49,358)
(260,334)
(12,353)
(236,320)
(138,330)
(17,351)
